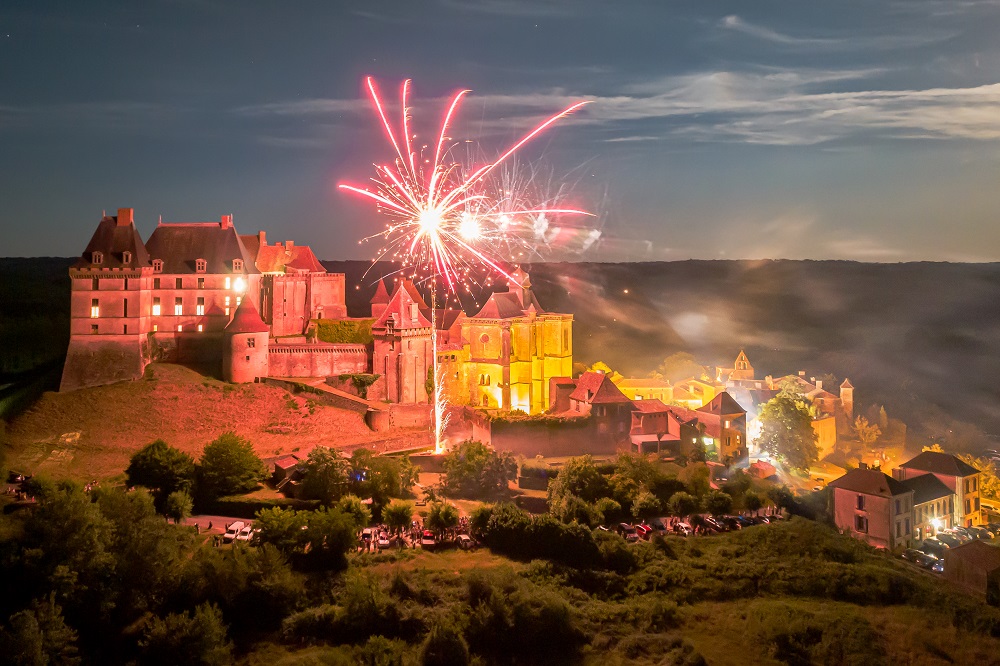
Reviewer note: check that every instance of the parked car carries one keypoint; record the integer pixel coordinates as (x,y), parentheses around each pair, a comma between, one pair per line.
(938,567)
(683,529)
(934,546)
(730,522)
(427,539)
(246,533)
(950,539)
(659,525)
(628,532)
(957,533)
(465,542)
(979,532)
(367,535)
(644,531)
(233,531)
(716,525)
(383,540)
(912,555)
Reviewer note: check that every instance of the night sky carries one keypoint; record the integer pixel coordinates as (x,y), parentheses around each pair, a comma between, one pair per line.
(855,130)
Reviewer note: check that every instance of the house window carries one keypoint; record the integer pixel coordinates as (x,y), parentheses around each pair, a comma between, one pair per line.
(968,506)
(726,425)
(201,283)
(156,307)
(95,308)
(251,343)
(951,505)
(201,306)
(975,484)
(178,306)
(907,530)
(95,284)
(602,428)
(179,328)
(899,530)
(93,328)
(178,283)
(899,508)
(860,524)
(126,257)
(156,283)
(229,282)
(977,504)
(861,502)
(157,268)
(155,328)
(237,265)
(200,265)
(239,299)
(98,258)
(227,306)
(200,328)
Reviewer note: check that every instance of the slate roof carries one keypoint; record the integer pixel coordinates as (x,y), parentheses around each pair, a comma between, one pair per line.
(870,482)
(596,388)
(722,404)
(381,295)
(180,244)
(927,488)
(284,259)
(501,305)
(940,463)
(246,319)
(113,241)
(406,292)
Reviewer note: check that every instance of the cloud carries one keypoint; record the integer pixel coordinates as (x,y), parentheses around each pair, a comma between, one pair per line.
(735,23)
(852,42)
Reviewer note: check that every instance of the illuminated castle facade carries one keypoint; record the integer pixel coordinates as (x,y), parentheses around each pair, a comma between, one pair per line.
(201,293)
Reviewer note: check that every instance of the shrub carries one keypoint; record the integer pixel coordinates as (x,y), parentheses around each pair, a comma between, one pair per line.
(474,470)
(444,646)
(161,468)
(229,466)
(198,638)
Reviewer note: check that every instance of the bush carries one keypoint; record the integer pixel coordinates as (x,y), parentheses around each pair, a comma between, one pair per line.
(161,468)
(444,646)
(198,638)
(229,466)
(473,470)
(345,331)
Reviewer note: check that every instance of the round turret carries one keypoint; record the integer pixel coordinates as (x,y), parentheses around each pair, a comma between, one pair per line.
(244,346)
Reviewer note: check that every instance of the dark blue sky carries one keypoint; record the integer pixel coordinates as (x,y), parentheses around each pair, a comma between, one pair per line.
(859,130)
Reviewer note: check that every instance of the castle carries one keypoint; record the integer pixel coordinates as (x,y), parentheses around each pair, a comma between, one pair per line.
(201,293)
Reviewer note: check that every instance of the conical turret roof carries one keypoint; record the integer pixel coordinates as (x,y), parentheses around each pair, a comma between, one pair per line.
(247,320)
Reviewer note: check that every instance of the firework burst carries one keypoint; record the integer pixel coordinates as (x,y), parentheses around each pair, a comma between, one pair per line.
(445,219)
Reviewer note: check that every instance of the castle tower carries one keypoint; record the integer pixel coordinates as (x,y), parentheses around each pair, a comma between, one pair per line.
(742,368)
(847,398)
(245,346)
(380,300)
(520,286)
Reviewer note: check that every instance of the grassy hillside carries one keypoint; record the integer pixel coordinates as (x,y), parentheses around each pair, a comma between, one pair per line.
(93,432)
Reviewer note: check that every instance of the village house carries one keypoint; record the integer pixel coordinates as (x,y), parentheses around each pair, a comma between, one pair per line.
(975,566)
(873,507)
(960,477)
(933,506)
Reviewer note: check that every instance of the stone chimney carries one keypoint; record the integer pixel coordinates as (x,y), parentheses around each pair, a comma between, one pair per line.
(227,221)
(289,243)
(802,373)
(126,216)
(262,238)
(862,465)
(819,383)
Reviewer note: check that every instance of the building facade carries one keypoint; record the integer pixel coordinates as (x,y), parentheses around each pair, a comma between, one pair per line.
(873,507)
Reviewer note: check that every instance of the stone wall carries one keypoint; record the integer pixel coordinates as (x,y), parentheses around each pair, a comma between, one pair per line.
(103,360)
(316,360)
(573,437)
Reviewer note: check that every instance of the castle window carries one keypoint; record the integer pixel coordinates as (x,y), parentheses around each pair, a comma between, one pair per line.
(237,265)
(125,329)
(239,299)
(200,328)
(201,306)
(229,282)
(156,283)
(200,265)
(155,328)
(180,328)
(565,340)
(178,307)
(251,343)
(95,284)
(178,283)
(413,311)
(126,283)
(93,328)
(126,257)
(98,258)
(95,308)
(227,306)
(157,266)
(201,283)
(248,358)
(125,308)
(156,307)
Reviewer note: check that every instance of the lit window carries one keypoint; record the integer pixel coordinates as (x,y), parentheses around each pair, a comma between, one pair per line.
(240,285)
(229,283)
(201,283)
(155,328)
(200,265)
(201,306)
(727,424)
(227,305)
(156,307)
(200,328)
(95,309)
(157,268)
(178,306)
(179,328)
(239,299)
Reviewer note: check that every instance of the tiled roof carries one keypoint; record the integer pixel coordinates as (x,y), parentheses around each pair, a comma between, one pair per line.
(500,305)
(927,488)
(445,318)
(644,383)
(596,388)
(381,295)
(651,406)
(180,245)
(722,404)
(113,241)
(246,319)
(406,293)
(940,463)
(870,482)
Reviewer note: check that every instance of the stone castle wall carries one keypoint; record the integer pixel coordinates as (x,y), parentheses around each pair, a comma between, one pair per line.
(316,360)
(103,360)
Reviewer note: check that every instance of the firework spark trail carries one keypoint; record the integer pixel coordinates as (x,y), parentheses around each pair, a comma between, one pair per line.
(442,222)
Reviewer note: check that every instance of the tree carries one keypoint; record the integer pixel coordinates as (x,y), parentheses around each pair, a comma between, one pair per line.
(989,484)
(397,515)
(331,533)
(444,646)
(178,505)
(474,470)
(325,475)
(787,432)
(161,468)
(441,516)
(605,369)
(39,635)
(580,477)
(753,501)
(645,505)
(610,511)
(380,477)
(179,638)
(229,466)
(867,432)
(718,503)
(682,504)
(679,366)
(356,509)
(282,528)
